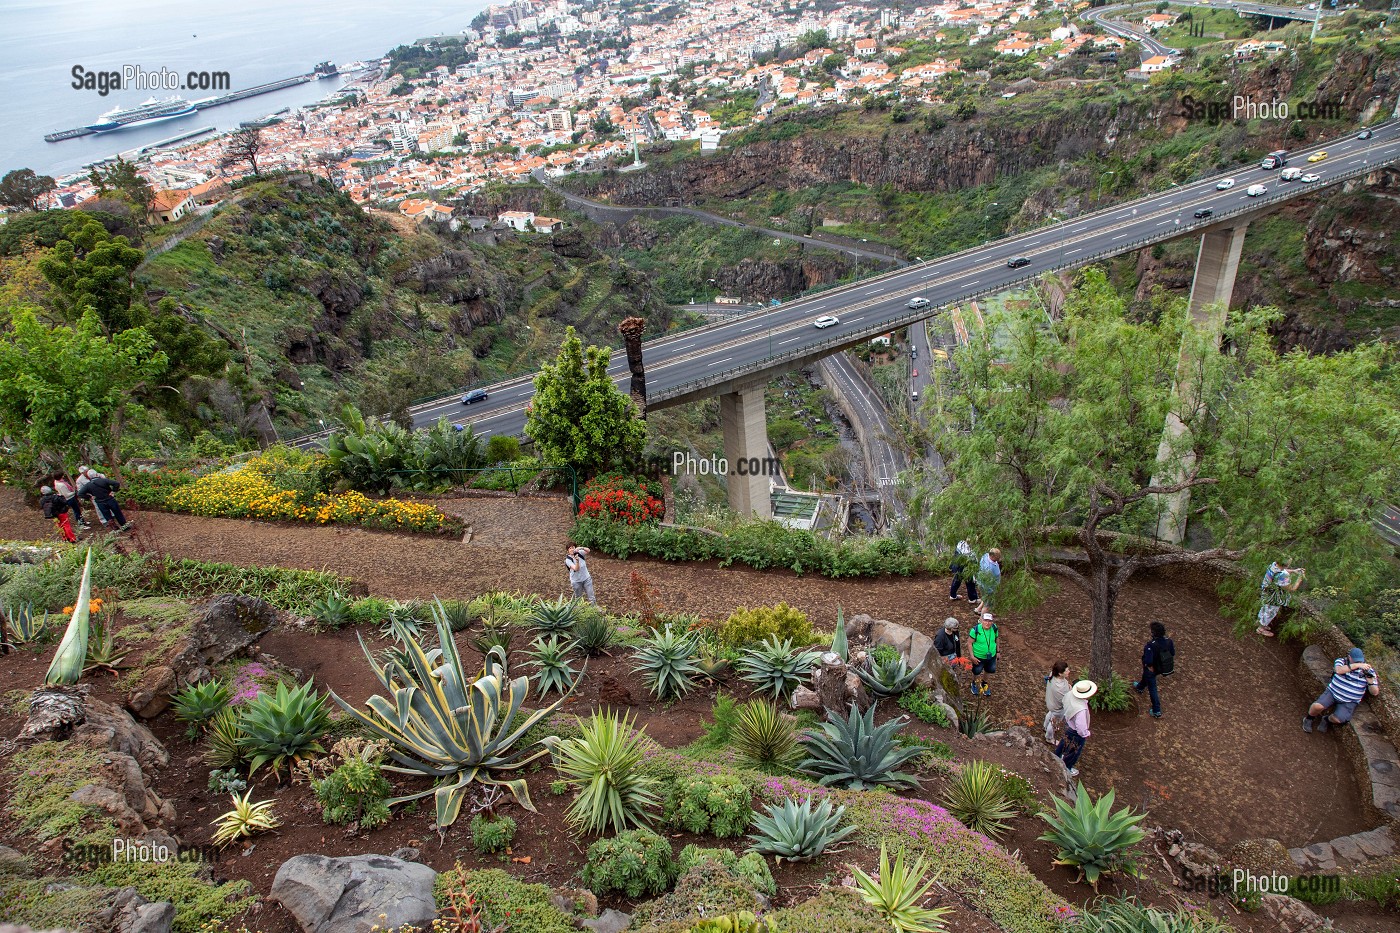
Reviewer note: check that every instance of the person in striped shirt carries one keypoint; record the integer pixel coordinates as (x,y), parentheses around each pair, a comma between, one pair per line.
(1352,679)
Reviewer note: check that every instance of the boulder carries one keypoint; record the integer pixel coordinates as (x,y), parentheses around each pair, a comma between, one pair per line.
(611,921)
(575,901)
(158,917)
(356,893)
(226,625)
(1290,915)
(858,627)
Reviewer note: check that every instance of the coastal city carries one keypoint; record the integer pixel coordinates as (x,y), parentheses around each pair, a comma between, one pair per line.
(559,86)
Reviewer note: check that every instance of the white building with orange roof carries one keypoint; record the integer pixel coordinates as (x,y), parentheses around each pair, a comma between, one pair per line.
(866,48)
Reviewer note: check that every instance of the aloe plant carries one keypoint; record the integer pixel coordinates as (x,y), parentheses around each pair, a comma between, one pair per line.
(102,653)
(67,664)
(887,678)
(775,667)
(595,634)
(797,832)
(851,751)
(897,894)
(666,662)
(1092,836)
(402,623)
(440,722)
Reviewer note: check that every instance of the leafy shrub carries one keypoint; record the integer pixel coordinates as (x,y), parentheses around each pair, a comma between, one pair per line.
(603,760)
(750,866)
(619,499)
(774,667)
(492,833)
(724,715)
(636,862)
(198,703)
(502,898)
(1114,695)
(355,792)
(502,448)
(552,668)
(706,889)
(1092,837)
(1020,792)
(765,735)
(897,894)
(798,832)
(371,610)
(833,909)
(977,798)
(666,661)
(851,751)
(920,704)
(747,627)
(718,805)
(285,724)
(1127,915)
(374,455)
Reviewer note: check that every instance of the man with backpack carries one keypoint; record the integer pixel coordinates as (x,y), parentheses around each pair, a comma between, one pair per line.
(1158,660)
(56,509)
(984,653)
(101,489)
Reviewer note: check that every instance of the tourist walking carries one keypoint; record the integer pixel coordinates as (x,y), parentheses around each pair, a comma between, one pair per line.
(1076,712)
(85,477)
(102,490)
(1056,686)
(984,653)
(1158,660)
(63,487)
(580,580)
(1352,679)
(56,509)
(988,578)
(948,643)
(961,568)
(1280,583)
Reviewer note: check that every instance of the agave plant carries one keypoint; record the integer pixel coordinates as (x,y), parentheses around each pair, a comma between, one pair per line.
(331,612)
(1127,915)
(199,703)
(102,653)
(774,667)
(283,725)
(403,622)
(851,751)
(555,615)
(24,626)
(594,633)
(604,761)
(978,798)
(798,832)
(245,819)
(440,722)
(225,739)
(1093,837)
(839,645)
(897,894)
(552,668)
(765,736)
(495,635)
(711,664)
(666,662)
(68,660)
(887,678)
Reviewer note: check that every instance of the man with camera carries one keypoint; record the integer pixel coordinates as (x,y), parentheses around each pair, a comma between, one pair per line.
(1352,680)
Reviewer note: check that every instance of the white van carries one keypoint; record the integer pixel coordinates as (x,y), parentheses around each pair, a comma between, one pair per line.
(1290,174)
(1255,190)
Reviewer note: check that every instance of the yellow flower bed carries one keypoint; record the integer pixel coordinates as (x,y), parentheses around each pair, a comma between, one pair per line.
(249,492)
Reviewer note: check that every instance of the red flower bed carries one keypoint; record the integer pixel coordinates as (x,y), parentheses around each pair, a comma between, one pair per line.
(620,499)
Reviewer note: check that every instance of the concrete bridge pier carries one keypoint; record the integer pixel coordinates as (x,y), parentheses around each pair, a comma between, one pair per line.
(743,416)
(1217,262)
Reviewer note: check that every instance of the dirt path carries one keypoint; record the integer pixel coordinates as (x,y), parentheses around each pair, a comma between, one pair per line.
(1227,762)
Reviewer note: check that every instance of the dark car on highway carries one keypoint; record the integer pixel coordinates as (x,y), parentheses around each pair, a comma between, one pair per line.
(1018,262)
(475,395)
(1203,212)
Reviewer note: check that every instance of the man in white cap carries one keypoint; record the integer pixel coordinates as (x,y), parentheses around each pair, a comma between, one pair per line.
(984,653)
(1076,724)
(85,477)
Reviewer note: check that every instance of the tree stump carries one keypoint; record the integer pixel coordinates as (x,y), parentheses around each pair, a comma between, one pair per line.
(837,686)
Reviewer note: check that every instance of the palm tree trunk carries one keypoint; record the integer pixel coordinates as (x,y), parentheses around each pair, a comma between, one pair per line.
(631,329)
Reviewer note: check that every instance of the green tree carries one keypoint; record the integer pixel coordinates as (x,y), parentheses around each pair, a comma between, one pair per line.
(22,189)
(62,387)
(1051,439)
(579,417)
(120,179)
(91,269)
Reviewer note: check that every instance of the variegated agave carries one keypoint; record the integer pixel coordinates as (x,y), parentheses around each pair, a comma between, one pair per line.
(440,722)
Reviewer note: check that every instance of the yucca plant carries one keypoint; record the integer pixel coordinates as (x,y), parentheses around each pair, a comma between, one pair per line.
(1126,915)
(102,652)
(594,633)
(978,798)
(897,894)
(887,678)
(225,739)
(68,660)
(839,645)
(245,819)
(199,703)
(440,722)
(24,626)
(555,615)
(851,751)
(283,725)
(666,661)
(603,760)
(552,668)
(775,667)
(331,612)
(797,832)
(1093,837)
(764,735)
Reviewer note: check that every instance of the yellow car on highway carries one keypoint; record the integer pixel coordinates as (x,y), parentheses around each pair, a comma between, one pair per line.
(1318,156)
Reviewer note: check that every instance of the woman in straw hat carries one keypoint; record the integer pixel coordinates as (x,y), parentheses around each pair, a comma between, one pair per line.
(1076,724)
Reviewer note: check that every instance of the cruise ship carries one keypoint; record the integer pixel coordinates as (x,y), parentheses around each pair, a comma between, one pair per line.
(152,111)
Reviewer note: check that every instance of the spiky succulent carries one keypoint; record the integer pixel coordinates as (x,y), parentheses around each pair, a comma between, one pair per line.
(101,650)
(603,761)
(23,625)
(404,622)
(765,736)
(331,612)
(67,664)
(283,725)
(494,634)
(245,819)
(555,615)
(977,797)
(1092,836)
(851,751)
(594,633)
(552,668)
(199,703)
(898,892)
(225,739)
(775,667)
(887,677)
(797,832)
(666,662)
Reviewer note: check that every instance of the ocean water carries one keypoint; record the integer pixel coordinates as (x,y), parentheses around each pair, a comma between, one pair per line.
(255,41)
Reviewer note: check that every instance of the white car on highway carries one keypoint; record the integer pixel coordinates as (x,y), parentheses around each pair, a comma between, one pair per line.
(826,320)
(1310,177)
(1254,191)
(1225,184)
(917,301)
